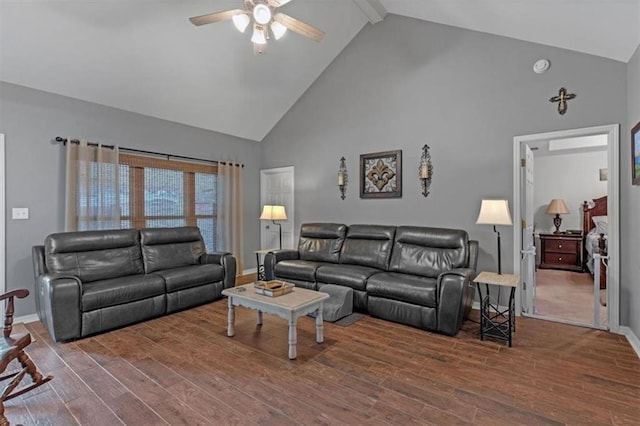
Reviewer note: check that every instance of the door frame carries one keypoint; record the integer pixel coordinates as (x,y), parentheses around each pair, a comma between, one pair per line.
(3,230)
(613,202)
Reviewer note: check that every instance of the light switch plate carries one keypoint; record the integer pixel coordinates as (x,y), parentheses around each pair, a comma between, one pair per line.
(20,213)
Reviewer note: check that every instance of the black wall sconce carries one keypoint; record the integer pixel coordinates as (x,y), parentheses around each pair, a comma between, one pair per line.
(425,170)
(343,178)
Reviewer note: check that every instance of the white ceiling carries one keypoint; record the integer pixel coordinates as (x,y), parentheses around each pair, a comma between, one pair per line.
(144,55)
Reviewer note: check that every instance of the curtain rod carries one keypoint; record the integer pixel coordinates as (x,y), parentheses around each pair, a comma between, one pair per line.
(64,141)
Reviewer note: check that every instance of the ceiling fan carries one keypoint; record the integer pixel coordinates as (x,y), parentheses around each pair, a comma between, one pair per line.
(265,16)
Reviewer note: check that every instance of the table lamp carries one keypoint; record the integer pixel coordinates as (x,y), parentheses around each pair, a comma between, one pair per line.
(557,206)
(495,212)
(273,213)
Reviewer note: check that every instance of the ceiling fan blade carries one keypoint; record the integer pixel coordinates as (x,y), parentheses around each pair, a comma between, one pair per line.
(259,49)
(299,27)
(277,3)
(215,17)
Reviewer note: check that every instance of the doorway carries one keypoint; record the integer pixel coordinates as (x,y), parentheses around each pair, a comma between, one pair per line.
(560,274)
(277,188)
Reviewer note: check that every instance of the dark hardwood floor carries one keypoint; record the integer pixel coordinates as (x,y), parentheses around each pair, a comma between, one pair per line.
(183,369)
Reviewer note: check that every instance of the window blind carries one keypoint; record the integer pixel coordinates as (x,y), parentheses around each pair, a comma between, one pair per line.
(156,193)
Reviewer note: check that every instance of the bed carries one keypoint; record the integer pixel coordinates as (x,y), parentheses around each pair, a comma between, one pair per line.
(594,229)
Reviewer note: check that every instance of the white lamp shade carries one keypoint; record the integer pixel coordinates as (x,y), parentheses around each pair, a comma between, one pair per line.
(270,212)
(278,30)
(557,206)
(494,212)
(241,22)
(258,36)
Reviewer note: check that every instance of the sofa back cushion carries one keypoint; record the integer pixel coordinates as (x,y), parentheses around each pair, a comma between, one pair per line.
(166,248)
(321,242)
(429,251)
(94,255)
(368,245)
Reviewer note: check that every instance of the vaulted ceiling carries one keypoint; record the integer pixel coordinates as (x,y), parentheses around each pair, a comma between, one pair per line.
(145,56)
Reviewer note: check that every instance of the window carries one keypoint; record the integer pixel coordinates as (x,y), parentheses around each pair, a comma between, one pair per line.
(166,193)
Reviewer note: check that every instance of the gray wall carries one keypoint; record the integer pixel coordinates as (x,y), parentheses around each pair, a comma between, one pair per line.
(575,178)
(403,83)
(630,208)
(34,170)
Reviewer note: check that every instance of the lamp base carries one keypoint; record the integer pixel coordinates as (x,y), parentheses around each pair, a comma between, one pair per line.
(557,221)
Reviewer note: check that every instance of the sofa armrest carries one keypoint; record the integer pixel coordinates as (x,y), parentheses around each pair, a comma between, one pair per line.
(228,263)
(60,307)
(455,296)
(38,261)
(474,247)
(273,257)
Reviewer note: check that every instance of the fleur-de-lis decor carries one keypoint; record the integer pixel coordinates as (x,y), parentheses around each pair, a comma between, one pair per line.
(381,175)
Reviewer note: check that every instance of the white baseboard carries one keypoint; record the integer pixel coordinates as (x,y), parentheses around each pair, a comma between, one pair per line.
(632,338)
(26,318)
(250,271)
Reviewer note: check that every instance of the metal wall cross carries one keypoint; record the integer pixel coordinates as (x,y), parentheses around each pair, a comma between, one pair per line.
(562,99)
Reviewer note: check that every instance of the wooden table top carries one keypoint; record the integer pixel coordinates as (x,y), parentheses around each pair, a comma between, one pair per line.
(297,298)
(507,280)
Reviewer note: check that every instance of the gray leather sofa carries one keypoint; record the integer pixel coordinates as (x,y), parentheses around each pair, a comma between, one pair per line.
(412,275)
(93,281)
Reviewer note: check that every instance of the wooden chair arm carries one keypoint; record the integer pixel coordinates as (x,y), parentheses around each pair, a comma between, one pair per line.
(8,314)
(20,294)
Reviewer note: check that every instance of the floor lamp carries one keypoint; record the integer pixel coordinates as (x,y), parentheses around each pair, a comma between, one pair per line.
(273,213)
(495,212)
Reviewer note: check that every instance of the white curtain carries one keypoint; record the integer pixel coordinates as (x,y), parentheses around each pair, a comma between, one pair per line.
(229,201)
(92,187)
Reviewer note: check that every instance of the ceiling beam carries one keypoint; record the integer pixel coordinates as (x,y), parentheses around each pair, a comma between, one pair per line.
(373,9)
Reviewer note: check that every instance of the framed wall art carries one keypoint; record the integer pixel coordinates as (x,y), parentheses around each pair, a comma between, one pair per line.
(381,175)
(635,155)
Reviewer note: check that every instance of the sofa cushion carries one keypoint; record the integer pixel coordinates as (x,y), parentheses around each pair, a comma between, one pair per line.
(368,245)
(167,248)
(111,292)
(94,255)
(303,270)
(321,242)
(405,288)
(354,276)
(429,251)
(190,276)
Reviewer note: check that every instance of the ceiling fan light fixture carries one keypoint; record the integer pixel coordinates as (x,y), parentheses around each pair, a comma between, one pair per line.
(241,22)
(278,30)
(262,14)
(258,36)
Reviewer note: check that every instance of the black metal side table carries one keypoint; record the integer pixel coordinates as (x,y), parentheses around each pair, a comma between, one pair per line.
(259,263)
(496,321)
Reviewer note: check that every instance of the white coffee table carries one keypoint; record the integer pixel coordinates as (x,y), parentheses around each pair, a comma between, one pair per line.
(289,306)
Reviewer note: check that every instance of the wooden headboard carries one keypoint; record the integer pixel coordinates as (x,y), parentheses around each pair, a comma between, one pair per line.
(599,209)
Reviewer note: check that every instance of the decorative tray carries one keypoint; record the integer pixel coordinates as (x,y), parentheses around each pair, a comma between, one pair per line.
(273,288)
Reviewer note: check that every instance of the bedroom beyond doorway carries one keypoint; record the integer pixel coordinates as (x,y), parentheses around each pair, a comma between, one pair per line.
(569,168)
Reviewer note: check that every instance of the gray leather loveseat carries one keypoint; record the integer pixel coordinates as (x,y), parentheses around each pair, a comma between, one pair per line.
(412,275)
(93,281)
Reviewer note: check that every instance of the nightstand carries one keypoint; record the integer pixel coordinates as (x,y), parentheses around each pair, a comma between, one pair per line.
(561,251)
